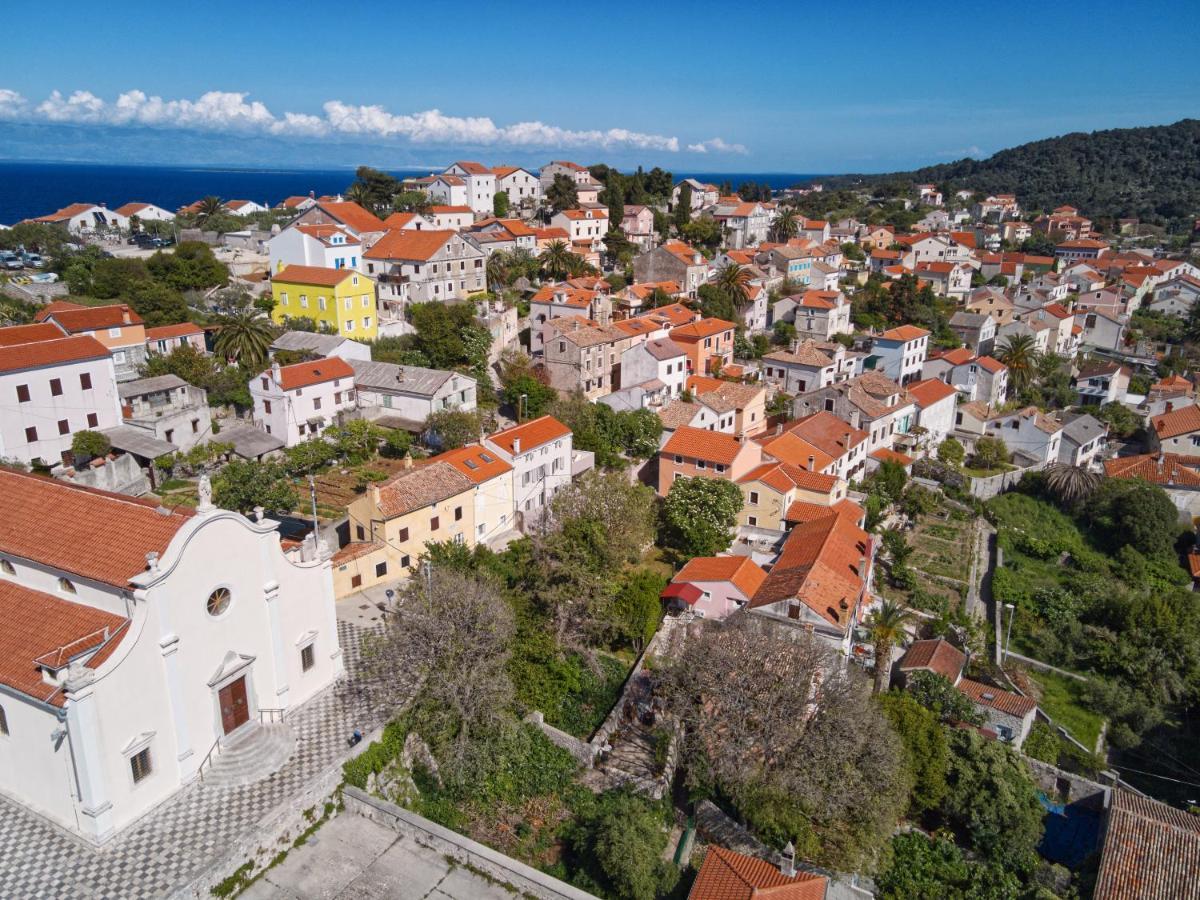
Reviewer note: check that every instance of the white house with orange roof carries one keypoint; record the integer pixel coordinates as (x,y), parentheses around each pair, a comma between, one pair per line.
(638,226)
(697,453)
(298,402)
(82,218)
(244,207)
(949,279)
(450,190)
(577,173)
(840,448)
(51,386)
(703,195)
(745,224)
(555,301)
(900,352)
(451,217)
(524,189)
(145,646)
(326,246)
(714,587)
(981,378)
(935,401)
(420,266)
(145,212)
(585,227)
(480,182)
(362,223)
(495,489)
(166,339)
(658,365)
(116,326)
(809,364)
(540,452)
(816,314)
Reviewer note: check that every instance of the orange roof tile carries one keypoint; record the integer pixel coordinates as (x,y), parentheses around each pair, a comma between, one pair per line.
(930,391)
(885,454)
(905,333)
(991,364)
(90,533)
(172,331)
(793,449)
(1150,850)
(352,214)
(740,571)
(997,698)
(409,244)
(825,430)
(44,630)
(938,656)
(90,318)
(78,348)
(1184,420)
(697,330)
(355,550)
(414,489)
(726,875)
(697,443)
(531,434)
(316,371)
(476,462)
(29,334)
(321,275)
(1166,469)
(55,306)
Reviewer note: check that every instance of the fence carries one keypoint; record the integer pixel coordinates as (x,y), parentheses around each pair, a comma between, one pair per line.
(992,485)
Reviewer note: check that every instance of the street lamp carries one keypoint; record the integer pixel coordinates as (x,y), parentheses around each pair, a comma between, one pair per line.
(521,403)
(1012,614)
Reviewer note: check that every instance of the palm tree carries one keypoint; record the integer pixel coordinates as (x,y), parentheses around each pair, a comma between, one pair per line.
(887,627)
(497,271)
(785,226)
(1071,484)
(1020,354)
(359,193)
(245,336)
(556,260)
(734,282)
(209,206)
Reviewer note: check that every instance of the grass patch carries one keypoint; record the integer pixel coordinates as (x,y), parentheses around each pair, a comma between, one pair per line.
(1061,702)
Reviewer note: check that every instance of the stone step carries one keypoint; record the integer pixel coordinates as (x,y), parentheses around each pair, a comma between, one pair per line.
(252,756)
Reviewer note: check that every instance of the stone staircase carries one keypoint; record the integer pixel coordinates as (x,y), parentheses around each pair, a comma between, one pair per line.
(259,751)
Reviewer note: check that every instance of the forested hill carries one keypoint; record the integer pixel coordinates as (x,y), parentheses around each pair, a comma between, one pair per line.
(1152,173)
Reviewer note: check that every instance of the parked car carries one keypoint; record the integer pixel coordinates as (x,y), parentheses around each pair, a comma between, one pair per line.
(34,260)
(10,260)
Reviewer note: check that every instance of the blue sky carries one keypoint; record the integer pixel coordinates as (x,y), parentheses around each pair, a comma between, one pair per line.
(764,87)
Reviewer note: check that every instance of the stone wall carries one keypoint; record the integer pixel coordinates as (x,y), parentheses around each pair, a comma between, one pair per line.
(1068,786)
(119,474)
(581,750)
(527,880)
(986,488)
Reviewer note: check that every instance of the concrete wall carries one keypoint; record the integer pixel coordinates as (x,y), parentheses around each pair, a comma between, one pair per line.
(462,850)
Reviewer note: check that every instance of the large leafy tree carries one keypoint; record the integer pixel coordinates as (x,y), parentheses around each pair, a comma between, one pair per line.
(925,746)
(562,194)
(556,260)
(699,514)
(682,213)
(243,485)
(624,838)
(1134,512)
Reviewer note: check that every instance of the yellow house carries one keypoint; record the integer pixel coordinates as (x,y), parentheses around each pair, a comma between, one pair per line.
(769,490)
(392,522)
(342,299)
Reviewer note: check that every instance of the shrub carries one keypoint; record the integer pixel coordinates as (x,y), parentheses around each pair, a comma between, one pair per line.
(90,444)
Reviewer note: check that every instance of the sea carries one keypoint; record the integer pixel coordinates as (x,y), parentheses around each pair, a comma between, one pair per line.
(29,189)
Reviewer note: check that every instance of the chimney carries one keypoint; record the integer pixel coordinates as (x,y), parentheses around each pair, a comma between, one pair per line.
(276,372)
(152,561)
(407,461)
(516,446)
(125,317)
(812,463)
(787,864)
(696,258)
(375,494)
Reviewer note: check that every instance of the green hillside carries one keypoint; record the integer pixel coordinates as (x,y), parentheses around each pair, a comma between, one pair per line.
(1150,173)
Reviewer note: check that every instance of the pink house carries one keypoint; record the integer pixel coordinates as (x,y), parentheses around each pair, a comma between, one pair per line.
(714,587)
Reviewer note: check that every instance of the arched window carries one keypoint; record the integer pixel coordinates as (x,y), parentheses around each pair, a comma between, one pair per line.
(218,601)
(66,586)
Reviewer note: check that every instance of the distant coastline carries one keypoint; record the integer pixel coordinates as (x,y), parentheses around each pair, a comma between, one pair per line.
(32,188)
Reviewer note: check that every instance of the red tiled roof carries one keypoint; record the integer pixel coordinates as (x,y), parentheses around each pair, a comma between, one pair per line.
(476,462)
(885,454)
(997,698)
(355,550)
(90,533)
(41,629)
(172,331)
(1171,424)
(698,443)
(409,244)
(694,331)
(1150,850)
(930,391)
(905,333)
(90,318)
(51,353)
(321,275)
(938,656)
(1166,469)
(825,430)
(531,434)
(29,334)
(414,489)
(65,213)
(352,214)
(726,875)
(315,371)
(990,364)
(782,477)
(55,306)
(794,449)
(740,571)
(450,209)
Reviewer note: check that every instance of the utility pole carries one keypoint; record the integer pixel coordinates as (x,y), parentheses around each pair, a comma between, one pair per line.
(1012,614)
(522,401)
(312,490)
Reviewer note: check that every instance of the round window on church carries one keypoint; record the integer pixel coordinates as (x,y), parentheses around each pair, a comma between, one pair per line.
(218,601)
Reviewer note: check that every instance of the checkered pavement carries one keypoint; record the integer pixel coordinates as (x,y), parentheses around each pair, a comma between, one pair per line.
(176,842)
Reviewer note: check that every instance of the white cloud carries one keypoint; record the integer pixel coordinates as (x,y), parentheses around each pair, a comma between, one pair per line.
(963,152)
(12,104)
(717,145)
(234,112)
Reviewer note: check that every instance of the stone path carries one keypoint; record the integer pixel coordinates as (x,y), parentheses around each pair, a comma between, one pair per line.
(176,842)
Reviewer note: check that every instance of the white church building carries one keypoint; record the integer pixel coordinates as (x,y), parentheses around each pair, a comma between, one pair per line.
(139,642)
